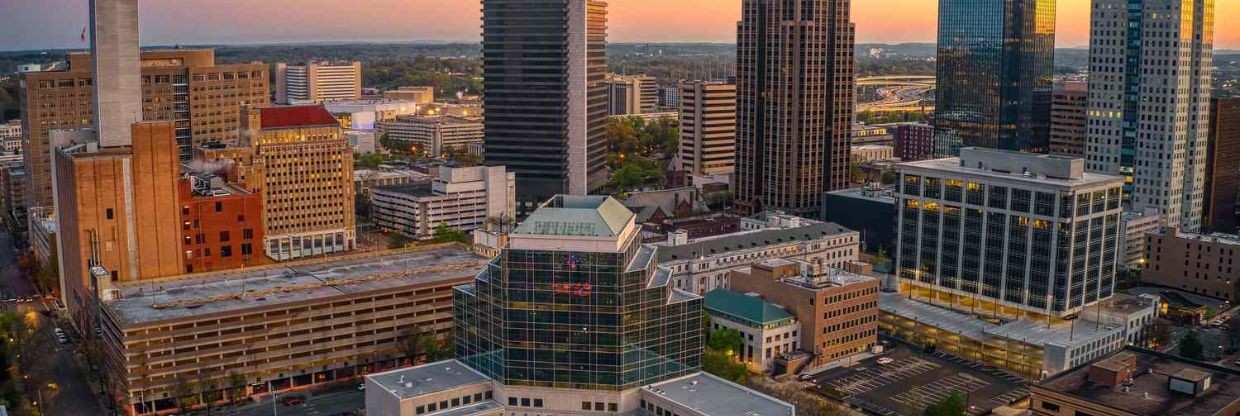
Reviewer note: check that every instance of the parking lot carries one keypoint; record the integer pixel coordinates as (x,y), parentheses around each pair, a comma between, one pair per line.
(914,380)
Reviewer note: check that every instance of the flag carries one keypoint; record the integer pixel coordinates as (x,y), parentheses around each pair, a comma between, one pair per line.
(83,33)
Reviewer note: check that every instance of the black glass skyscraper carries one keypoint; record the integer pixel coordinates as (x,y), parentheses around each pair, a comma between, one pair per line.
(995,67)
(577,302)
(544,63)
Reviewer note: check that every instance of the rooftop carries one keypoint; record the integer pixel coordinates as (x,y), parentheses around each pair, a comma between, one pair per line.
(1153,371)
(1016,166)
(406,383)
(751,309)
(231,291)
(713,396)
(885,195)
(1026,331)
(725,243)
(409,189)
(583,216)
(296,116)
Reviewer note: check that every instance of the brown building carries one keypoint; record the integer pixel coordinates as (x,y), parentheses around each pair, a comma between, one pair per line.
(794,95)
(302,165)
(838,310)
(708,127)
(221,225)
(1221,200)
(185,86)
(418,95)
(117,211)
(913,141)
(1137,382)
(1069,105)
(1207,265)
(231,334)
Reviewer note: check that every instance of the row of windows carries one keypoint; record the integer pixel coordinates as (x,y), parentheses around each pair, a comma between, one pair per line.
(458,402)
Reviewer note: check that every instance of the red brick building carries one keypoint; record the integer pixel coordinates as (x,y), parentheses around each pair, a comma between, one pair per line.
(221,225)
(914,142)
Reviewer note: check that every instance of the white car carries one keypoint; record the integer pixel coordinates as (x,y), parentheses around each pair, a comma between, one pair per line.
(885,361)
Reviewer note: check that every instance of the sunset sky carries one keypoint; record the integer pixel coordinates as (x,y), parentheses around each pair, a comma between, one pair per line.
(33,24)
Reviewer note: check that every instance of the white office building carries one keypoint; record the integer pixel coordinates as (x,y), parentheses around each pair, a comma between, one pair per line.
(436,135)
(318,82)
(461,198)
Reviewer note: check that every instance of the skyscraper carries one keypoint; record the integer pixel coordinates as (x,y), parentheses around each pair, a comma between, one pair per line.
(1221,211)
(708,127)
(794,92)
(544,63)
(1149,96)
(995,62)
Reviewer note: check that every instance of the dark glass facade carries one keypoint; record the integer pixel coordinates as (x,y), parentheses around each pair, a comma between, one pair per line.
(544,63)
(995,68)
(1025,245)
(581,320)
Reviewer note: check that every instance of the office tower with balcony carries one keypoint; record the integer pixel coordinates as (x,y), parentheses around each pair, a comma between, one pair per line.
(544,65)
(1007,234)
(995,63)
(1151,64)
(794,113)
(708,127)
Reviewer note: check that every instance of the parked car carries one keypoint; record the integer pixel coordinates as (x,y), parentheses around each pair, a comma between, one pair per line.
(292,400)
(885,361)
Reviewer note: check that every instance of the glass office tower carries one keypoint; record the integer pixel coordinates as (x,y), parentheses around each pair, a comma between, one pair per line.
(576,302)
(995,67)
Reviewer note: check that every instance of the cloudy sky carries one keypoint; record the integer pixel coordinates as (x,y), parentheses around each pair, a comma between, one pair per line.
(35,24)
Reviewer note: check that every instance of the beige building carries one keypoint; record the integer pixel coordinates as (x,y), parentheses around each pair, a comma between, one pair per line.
(708,127)
(1207,265)
(303,166)
(872,152)
(268,329)
(435,135)
(11,136)
(631,94)
(318,82)
(838,310)
(418,95)
(184,86)
(463,199)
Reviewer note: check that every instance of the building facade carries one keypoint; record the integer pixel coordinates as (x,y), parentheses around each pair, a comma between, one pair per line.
(435,136)
(318,82)
(418,95)
(301,164)
(795,88)
(767,330)
(332,320)
(705,264)
(1132,236)
(632,94)
(1069,112)
(1221,206)
(553,137)
(185,86)
(221,225)
(913,141)
(1207,265)
(994,68)
(871,152)
(463,199)
(11,136)
(708,127)
(1013,233)
(1148,113)
(838,310)
(1139,382)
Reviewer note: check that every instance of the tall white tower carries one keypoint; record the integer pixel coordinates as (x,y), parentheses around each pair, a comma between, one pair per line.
(117,69)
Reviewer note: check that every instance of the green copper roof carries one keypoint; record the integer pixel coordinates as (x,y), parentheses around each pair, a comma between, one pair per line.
(568,215)
(752,309)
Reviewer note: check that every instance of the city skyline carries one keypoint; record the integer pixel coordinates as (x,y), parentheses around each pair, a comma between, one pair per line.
(26,24)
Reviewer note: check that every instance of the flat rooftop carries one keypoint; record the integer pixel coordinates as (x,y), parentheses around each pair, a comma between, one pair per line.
(1027,331)
(1151,377)
(885,195)
(996,164)
(713,396)
(239,290)
(407,383)
(724,243)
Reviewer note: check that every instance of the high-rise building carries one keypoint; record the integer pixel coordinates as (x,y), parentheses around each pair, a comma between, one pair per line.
(794,92)
(632,94)
(913,141)
(544,63)
(1151,64)
(318,82)
(1069,108)
(184,86)
(1007,233)
(1221,210)
(301,163)
(995,63)
(708,127)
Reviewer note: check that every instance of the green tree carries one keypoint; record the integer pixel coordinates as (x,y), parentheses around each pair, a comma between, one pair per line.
(719,364)
(728,341)
(1190,346)
(368,161)
(953,405)
(446,234)
(397,240)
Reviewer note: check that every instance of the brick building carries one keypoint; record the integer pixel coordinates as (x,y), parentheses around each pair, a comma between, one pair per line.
(914,141)
(221,225)
(1203,264)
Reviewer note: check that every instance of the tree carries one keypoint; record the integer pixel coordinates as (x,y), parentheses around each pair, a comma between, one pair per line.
(236,387)
(1190,346)
(728,341)
(719,364)
(889,177)
(397,240)
(462,157)
(369,160)
(953,405)
(1160,333)
(446,234)
(1233,332)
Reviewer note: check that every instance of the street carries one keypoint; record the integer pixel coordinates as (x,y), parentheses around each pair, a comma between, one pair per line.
(62,387)
(342,401)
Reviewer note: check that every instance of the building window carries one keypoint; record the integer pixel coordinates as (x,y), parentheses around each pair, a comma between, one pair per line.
(225,251)
(219,206)
(108,213)
(598,406)
(538,403)
(224,236)
(525,402)
(585,406)
(512,401)
(612,407)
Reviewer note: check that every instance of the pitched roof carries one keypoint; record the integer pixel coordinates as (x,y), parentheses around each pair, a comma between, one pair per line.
(569,215)
(296,116)
(751,309)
